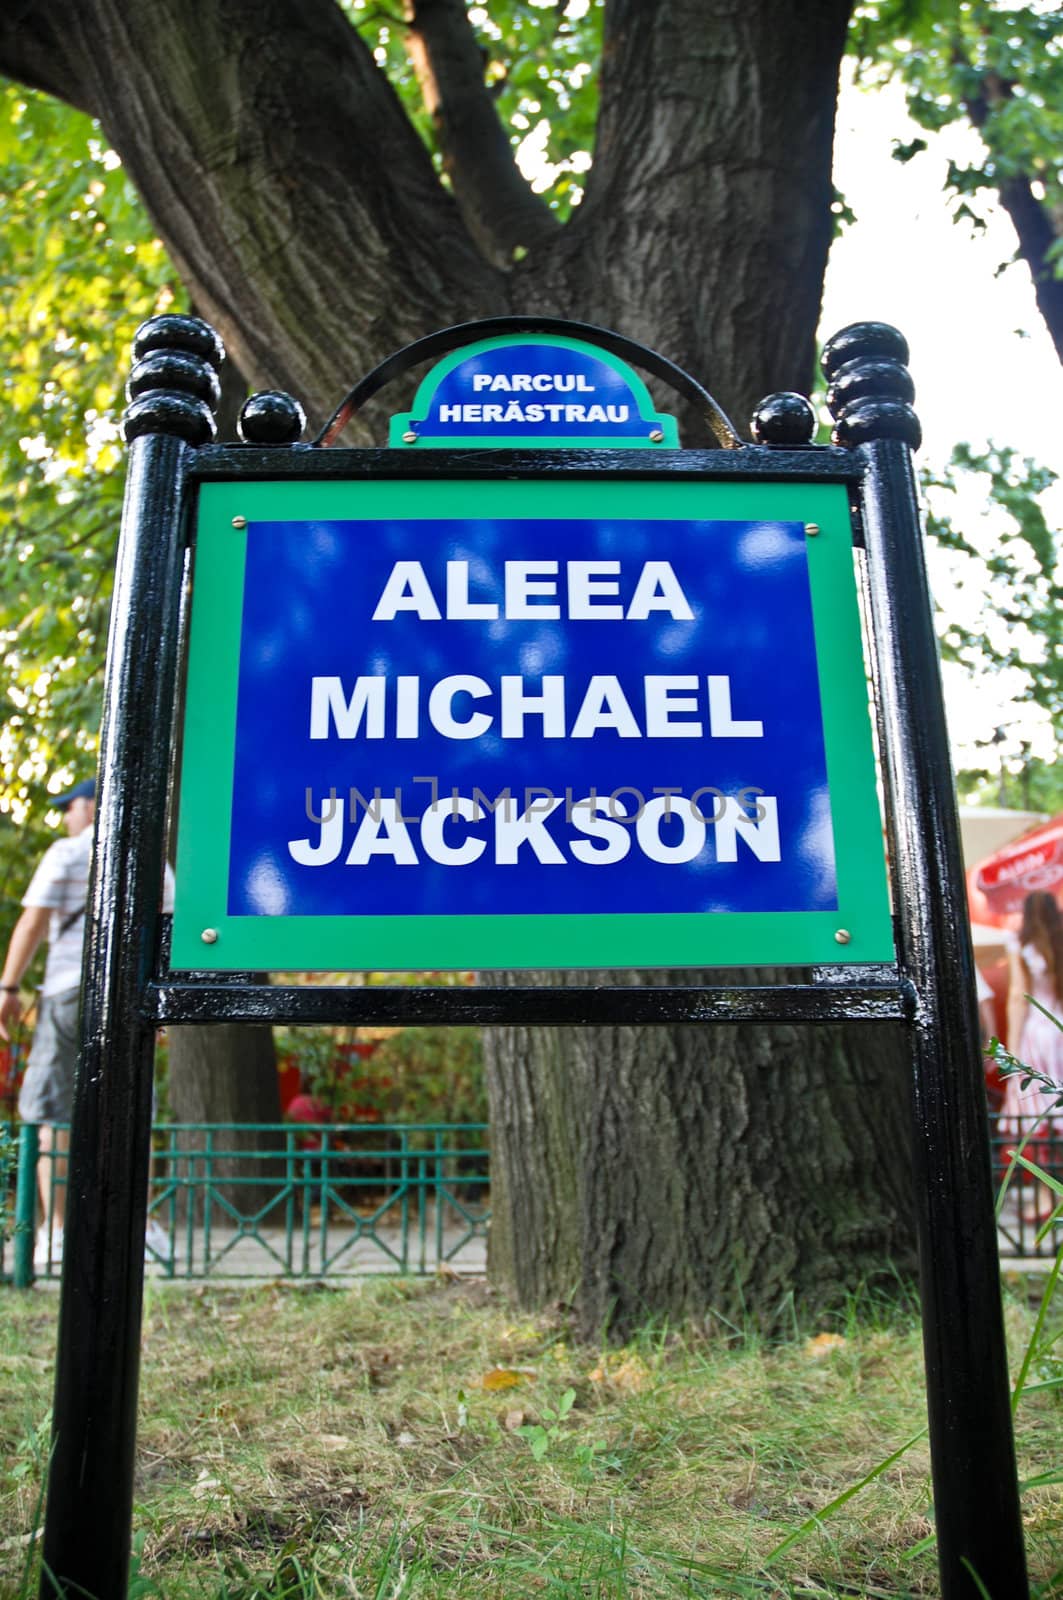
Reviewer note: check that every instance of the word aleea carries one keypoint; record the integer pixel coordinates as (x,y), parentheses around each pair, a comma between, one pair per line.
(592,591)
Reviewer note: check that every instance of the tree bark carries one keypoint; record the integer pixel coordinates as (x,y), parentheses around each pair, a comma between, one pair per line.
(719,1171)
(1037,226)
(311,228)
(735,1174)
(299,205)
(728,1168)
(707,220)
(502,213)
(228,1074)
(1038,236)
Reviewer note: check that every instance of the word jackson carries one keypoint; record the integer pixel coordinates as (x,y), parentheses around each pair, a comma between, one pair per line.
(598,830)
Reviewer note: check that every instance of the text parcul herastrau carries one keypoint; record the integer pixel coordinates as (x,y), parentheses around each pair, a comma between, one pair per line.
(543,408)
(455,829)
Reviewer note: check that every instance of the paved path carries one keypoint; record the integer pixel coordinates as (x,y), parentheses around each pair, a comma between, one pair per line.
(368,1250)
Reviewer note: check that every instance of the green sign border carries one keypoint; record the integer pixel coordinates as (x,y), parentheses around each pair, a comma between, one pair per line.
(462,942)
(407,421)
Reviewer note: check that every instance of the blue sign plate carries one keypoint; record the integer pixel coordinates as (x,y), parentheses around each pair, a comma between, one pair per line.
(574,707)
(596,710)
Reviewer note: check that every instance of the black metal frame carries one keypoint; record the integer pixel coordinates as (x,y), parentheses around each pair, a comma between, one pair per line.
(130,991)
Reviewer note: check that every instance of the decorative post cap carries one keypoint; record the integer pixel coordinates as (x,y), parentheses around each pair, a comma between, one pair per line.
(173,387)
(870,388)
(271,417)
(784,419)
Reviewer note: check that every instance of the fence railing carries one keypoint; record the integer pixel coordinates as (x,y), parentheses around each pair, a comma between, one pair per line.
(273,1200)
(276,1200)
(1022,1232)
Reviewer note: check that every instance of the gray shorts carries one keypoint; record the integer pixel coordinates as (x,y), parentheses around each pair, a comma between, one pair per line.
(48,1088)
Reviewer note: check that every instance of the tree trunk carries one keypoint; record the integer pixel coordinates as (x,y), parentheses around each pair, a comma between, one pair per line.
(707,220)
(228,1074)
(729,1173)
(689,1170)
(636,1171)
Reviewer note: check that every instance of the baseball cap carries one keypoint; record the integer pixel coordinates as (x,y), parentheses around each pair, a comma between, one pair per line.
(86,790)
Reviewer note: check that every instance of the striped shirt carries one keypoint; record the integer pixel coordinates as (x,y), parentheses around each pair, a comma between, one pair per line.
(61,884)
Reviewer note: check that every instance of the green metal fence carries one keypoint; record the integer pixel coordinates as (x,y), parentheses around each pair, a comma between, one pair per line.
(342,1201)
(273,1200)
(1024,1230)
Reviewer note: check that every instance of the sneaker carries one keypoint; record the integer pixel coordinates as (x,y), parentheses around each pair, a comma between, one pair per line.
(47,1253)
(157,1245)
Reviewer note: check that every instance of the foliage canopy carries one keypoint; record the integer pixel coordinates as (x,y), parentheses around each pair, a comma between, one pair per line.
(81,266)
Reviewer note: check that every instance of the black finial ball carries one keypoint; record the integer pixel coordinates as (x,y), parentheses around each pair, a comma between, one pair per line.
(784,419)
(864,341)
(859,380)
(271,417)
(174,370)
(191,335)
(878,418)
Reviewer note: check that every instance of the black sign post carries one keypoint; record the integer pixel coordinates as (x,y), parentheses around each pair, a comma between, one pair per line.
(131,989)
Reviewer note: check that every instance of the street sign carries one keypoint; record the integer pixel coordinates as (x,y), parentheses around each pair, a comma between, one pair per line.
(465,724)
(417,632)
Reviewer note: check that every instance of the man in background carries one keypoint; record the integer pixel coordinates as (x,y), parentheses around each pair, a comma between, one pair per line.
(53,909)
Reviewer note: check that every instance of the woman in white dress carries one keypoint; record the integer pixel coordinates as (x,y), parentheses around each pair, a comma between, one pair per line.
(1035,972)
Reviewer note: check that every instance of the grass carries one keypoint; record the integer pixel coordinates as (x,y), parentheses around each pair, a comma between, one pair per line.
(411,1440)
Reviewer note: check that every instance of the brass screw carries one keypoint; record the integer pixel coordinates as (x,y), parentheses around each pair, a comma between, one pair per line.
(209,936)
(812,528)
(239,522)
(409,438)
(656,436)
(843,936)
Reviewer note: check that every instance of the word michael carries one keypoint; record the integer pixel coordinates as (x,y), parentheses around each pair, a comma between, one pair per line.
(671,706)
(459,833)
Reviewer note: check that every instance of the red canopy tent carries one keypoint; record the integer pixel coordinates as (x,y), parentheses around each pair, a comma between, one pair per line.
(997,886)
(996,889)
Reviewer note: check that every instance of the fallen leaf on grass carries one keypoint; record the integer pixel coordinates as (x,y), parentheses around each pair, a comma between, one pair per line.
(823,1344)
(630,1375)
(506,1377)
(333,1441)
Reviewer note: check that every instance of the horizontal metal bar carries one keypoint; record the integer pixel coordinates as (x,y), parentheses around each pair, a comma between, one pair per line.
(303,462)
(172,1003)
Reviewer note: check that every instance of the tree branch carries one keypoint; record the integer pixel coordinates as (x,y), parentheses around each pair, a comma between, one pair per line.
(1033,222)
(500,209)
(1033,226)
(281,172)
(31,52)
(715,127)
